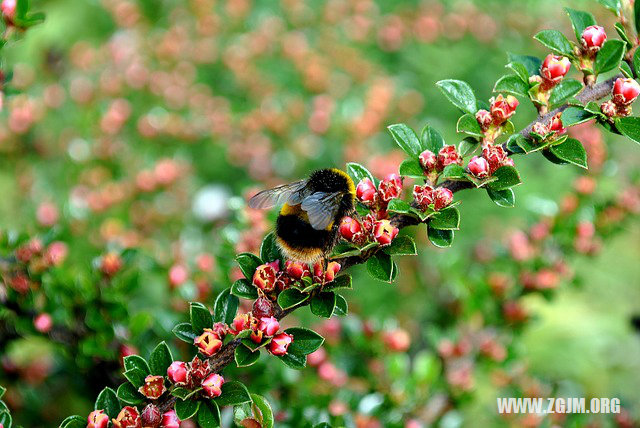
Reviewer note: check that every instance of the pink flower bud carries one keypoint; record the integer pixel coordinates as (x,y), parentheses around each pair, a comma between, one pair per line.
(240,322)
(625,91)
(265,277)
(442,197)
(332,270)
(350,228)
(151,416)
(212,385)
(177,372)
(556,124)
(8,9)
(423,195)
(384,232)
(484,118)
(43,323)
(262,307)
(366,191)
(390,187)
(280,343)
(178,275)
(495,155)
(478,167)
(503,108)
(170,420)
(609,109)
(97,419)
(428,160)
(540,129)
(554,68)
(269,326)
(397,340)
(593,37)
(318,272)
(153,387)
(208,342)
(296,270)
(448,156)
(129,417)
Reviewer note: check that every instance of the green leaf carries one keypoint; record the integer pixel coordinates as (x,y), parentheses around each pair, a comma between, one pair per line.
(181,393)
(160,359)
(469,125)
(406,138)
(346,249)
(609,56)
(521,71)
(209,415)
(294,361)
(342,308)
(556,41)
(579,21)
(626,70)
(571,151)
(460,94)
(342,282)
(291,297)
(448,218)
(531,63)
(245,357)
(512,84)
(629,127)
(441,238)
(465,148)
(564,91)
(323,304)
(135,376)
(305,341)
(269,250)
(225,307)
(398,206)
(636,16)
(431,139)
(245,289)
(136,362)
(453,172)
(248,264)
(380,266)
(401,246)
(129,394)
(507,177)
(74,421)
(266,419)
(502,198)
(186,409)
(108,401)
(411,168)
(575,115)
(636,62)
(184,331)
(200,316)
(3,390)
(359,172)
(623,35)
(233,393)
(612,5)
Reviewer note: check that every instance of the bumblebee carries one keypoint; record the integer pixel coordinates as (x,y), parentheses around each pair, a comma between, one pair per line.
(307,227)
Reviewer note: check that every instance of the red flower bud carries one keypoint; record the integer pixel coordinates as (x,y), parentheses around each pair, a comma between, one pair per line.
(296,270)
(241,322)
(448,156)
(484,119)
(265,277)
(212,385)
(332,270)
(593,37)
(384,232)
(280,343)
(625,91)
(609,109)
(153,387)
(208,342)
(503,108)
(428,160)
(177,372)
(43,323)
(170,419)
(442,197)
(390,187)
(478,167)
(366,191)
(151,416)
(350,228)
(554,68)
(423,195)
(129,417)
(97,419)
(262,307)
(269,326)
(495,155)
(556,124)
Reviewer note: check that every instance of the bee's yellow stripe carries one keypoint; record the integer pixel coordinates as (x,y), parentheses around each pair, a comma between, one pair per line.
(352,187)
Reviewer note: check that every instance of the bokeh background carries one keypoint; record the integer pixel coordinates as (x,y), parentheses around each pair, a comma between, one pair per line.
(143,124)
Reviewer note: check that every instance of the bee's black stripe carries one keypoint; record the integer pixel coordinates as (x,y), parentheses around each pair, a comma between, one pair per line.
(299,234)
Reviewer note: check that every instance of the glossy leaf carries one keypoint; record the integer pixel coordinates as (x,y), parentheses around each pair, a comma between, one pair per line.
(233,393)
(431,139)
(520,70)
(564,91)
(160,359)
(74,421)
(244,289)
(453,172)
(629,127)
(245,357)
(398,206)
(401,246)
(136,362)
(266,414)
(135,376)
(323,304)
(575,115)
(129,394)
(184,331)
(305,341)
(359,172)
(448,218)
(411,168)
(294,361)
(609,56)
(406,138)
(186,409)
(460,94)
(248,264)
(380,266)
(531,63)
(579,21)
(342,307)
(507,177)
(571,151)
(225,307)
(342,282)
(469,125)
(291,297)
(612,5)
(502,198)
(556,41)
(108,401)
(269,250)
(439,237)
(209,415)
(200,316)
(512,84)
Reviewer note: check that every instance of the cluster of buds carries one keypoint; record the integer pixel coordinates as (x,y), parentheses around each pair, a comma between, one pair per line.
(377,199)
(269,277)
(493,157)
(196,374)
(432,164)
(210,341)
(551,130)
(501,110)
(368,230)
(262,328)
(427,197)
(625,92)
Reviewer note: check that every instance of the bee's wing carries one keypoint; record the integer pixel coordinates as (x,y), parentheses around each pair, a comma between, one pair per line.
(321,207)
(292,193)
